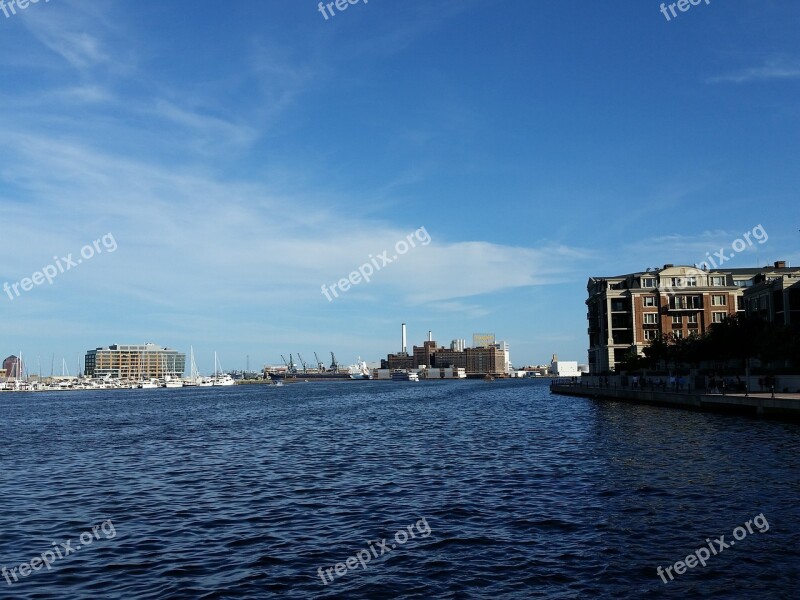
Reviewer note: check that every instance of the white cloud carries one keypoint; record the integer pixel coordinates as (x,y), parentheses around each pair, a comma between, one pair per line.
(773,69)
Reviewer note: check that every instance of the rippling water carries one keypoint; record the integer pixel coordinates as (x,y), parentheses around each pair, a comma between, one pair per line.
(246,492)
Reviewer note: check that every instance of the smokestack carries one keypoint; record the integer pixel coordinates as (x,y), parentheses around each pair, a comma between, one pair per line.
(430,336)
(404,339)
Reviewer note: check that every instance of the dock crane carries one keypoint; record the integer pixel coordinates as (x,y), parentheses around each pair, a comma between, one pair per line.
(320,366)
(334,364)
(302,362)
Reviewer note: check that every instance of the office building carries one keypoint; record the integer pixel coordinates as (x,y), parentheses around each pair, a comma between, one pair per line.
(146,361)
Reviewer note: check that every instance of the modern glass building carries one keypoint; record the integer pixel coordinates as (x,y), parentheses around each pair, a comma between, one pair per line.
(146,361)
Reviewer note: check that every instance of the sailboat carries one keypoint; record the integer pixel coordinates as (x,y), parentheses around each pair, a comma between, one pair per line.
(219,377)
(169,380)
(194,375)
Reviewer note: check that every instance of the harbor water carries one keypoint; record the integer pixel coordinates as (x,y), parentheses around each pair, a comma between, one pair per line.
(451,489)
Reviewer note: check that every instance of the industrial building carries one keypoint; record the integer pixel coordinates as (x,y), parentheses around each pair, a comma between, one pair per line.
(491,359)
(145,361)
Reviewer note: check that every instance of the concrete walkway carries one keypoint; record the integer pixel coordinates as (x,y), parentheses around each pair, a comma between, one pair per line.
(783,406)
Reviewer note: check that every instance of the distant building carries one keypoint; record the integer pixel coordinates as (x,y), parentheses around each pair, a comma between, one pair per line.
(13,367)
(775,295)
(506,353)
(564,368)
(146,361)
(627,312)
(492,359)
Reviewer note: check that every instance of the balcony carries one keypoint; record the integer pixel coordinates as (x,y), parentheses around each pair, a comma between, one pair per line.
(685,307)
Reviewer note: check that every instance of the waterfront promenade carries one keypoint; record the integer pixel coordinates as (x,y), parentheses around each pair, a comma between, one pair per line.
(780,405)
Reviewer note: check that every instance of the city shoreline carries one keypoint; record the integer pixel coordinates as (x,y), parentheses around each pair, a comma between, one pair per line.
(783,406)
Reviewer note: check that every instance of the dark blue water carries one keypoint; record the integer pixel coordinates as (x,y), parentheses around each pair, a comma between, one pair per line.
(509,492)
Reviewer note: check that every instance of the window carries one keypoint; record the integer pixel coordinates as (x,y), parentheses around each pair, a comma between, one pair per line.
(691,281)
(650,334)
(649,300)
(675,282)
(717,281)
(650,318)
(677,334)
(718,317)
(719,300)
(684,302)
(692,319)
(677,319)
(619,306)
(648,282)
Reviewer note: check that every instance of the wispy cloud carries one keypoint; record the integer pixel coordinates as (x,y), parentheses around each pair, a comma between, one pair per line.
(774,69)
(75,35)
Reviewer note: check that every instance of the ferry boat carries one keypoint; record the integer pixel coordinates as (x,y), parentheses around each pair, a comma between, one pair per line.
(403,375)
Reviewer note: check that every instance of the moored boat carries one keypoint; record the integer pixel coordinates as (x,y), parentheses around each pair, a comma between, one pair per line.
(360,370)
(404,375)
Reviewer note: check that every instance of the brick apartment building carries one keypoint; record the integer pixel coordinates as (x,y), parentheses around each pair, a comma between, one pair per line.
(628,311)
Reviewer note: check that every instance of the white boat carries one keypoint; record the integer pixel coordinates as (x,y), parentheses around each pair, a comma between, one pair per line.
(223,379)
(194,379)
(360,370)
(148,384)
(172,382)
(219,377)
(404,375)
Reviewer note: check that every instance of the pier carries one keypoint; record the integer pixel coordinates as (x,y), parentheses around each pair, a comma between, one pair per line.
(780,405)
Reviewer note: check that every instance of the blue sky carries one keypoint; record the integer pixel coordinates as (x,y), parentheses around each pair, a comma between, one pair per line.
(242,154)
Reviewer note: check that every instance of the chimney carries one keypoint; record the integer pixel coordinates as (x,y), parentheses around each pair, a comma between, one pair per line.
(668,266)
(780,264)
(403,350)
(430,336)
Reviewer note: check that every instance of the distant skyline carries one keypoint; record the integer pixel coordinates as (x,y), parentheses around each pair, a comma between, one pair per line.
(241,156)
